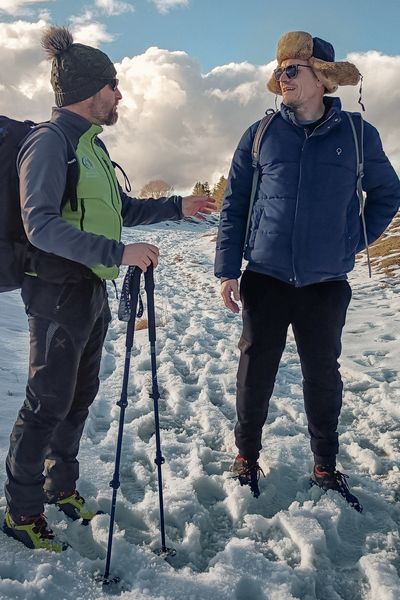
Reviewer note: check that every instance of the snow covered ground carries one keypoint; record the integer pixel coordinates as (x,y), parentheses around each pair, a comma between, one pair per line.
(292,542)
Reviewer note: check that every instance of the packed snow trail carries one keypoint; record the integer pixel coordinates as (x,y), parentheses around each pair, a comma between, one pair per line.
(292,542)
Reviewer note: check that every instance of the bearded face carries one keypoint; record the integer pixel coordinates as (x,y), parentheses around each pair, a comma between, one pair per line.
(104,106)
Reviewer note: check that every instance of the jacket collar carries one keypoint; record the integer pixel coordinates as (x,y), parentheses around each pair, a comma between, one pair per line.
(72,123)
(333,106)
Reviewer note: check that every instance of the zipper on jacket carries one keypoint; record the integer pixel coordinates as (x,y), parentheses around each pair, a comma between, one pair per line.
(110,176)
(82,213)
(112,185)
(296,281)
(295,217)
(320,125)
(105,166)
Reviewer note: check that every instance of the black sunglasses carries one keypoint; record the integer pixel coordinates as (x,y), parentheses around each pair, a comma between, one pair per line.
(291,71)
(113,83)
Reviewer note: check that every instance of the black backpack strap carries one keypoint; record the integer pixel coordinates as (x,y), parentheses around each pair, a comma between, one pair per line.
(357,127)
(127,183)
(70,194)
(255,163)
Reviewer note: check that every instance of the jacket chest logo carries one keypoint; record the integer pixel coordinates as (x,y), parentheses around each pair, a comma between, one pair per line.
(338,151)
(87,162)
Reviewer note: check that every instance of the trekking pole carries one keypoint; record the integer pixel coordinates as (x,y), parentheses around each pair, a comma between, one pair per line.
(126,312)
(155,395)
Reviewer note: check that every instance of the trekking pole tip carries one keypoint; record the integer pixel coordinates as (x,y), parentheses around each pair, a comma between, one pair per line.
(108,582)
(165,552)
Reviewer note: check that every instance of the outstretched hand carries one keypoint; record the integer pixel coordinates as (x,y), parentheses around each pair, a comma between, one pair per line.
(198,206)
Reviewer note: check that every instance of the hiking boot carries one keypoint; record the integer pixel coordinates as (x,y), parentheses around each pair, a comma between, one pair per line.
(248,473)
(73,505)
(328,478)
(33,532)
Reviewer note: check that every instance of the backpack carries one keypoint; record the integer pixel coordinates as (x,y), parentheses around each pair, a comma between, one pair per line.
(14,246)
(357,128)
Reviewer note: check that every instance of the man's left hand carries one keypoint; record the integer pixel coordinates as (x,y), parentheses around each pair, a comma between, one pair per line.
(198,206)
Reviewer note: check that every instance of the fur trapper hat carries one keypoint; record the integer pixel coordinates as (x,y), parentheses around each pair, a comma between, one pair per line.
(321,57)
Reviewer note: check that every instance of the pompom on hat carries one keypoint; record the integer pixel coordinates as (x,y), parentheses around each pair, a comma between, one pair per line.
(321,58)
(77,71)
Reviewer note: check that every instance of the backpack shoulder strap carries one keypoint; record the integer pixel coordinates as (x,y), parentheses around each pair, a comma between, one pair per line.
(70,194)
(255,161)
(357,127)
(261,129)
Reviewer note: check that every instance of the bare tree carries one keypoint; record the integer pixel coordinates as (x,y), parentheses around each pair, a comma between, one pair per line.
(156,188)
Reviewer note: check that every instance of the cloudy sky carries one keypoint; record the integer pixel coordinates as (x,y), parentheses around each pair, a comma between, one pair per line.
(193,72)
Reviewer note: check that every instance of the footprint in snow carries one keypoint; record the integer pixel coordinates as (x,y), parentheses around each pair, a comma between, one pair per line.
(386,338)
(146,428)
(247,588)
(208,491)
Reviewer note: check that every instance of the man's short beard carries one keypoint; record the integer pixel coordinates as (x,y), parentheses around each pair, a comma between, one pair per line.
(102,118)
(100,115)
(111,118)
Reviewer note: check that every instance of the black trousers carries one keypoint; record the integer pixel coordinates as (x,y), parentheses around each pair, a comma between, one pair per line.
(317,314)
(67,324)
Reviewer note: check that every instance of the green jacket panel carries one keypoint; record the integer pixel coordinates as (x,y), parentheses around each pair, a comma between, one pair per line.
(99,201)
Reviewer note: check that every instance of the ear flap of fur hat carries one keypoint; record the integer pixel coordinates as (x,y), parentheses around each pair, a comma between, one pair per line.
(321,56)
(333,74)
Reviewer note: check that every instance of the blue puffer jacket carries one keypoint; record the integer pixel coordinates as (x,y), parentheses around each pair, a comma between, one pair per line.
(305,225)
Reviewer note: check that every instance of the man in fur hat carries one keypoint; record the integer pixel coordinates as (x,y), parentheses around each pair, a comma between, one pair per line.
(75,248)
(305,229)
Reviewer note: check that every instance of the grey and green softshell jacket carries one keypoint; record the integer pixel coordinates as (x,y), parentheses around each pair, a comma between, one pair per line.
(91,235)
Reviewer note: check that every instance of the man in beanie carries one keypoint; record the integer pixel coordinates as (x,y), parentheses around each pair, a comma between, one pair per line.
(305,229)
(73,219)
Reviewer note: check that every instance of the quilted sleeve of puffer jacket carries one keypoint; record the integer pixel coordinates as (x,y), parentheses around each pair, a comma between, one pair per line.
(381,185)
(235,208)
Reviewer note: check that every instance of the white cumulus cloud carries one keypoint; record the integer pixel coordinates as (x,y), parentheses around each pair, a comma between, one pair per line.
(86,30)
(24,71)
(177,123)
(165,5)
(17,7)
(93,34)
(114,7)
(381,94)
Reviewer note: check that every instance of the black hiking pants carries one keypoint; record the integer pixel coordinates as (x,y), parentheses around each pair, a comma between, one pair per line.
(67,325)
(317,314)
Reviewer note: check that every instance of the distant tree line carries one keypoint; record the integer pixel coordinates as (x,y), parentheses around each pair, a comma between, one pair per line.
(158,188)
(217,191)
